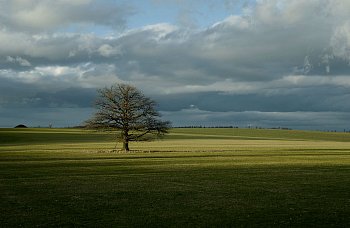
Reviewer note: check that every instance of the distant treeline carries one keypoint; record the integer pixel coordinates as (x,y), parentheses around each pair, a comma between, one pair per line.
(249,127)
(200,126)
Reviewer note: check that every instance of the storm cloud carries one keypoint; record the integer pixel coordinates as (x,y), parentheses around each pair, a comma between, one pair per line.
(271,63)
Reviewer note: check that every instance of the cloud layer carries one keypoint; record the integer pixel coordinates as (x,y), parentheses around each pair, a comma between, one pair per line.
(272,63)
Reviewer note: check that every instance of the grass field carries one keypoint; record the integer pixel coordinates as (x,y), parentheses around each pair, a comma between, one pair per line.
(192,177)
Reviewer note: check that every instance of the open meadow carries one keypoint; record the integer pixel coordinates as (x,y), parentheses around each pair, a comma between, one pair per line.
(192,177)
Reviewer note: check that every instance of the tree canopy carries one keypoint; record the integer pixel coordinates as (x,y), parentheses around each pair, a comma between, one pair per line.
(126,109)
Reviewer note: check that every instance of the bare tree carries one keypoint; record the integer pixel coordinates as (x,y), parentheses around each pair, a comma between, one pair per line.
(124,108)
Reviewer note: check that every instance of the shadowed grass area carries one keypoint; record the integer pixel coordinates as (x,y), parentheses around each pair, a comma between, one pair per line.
(30,136)
(202,181)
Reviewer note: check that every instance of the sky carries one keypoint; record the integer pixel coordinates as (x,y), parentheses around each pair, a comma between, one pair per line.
(259,63)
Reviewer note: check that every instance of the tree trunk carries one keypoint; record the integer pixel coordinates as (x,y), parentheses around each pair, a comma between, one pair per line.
(125,137)
(125,145)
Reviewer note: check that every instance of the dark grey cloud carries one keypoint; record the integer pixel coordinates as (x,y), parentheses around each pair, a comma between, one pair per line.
(70,97)
(44,117)
(294,120)
(274,59)
(318,99)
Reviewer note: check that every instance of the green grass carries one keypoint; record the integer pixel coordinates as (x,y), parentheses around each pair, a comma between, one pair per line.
(193,177)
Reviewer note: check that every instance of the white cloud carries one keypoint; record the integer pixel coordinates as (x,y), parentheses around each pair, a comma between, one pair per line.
(236,21)
(18,60)
(107,50)
(340,41)
(53,78)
